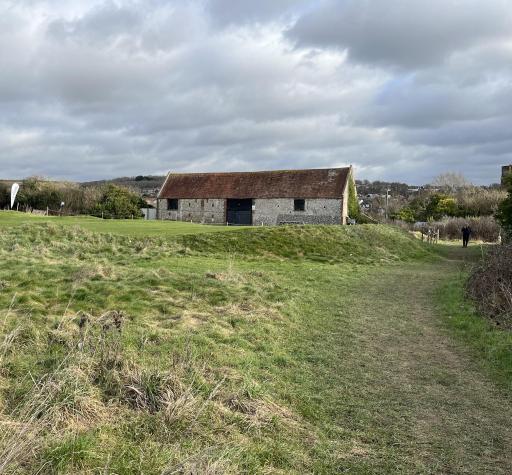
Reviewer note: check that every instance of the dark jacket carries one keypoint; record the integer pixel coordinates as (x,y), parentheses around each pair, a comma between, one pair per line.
(466,231)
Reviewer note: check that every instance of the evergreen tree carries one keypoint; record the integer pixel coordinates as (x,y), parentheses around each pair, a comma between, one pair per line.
(354,211)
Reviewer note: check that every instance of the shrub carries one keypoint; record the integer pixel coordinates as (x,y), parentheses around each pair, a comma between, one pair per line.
(438,206)
(40,194)
(476,201)
(80,200)
(120,203)
(490,286)
(464,202)
(37,193)
(483,228)
(406,214)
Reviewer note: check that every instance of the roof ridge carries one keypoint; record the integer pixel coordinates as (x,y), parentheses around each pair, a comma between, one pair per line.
(289,170)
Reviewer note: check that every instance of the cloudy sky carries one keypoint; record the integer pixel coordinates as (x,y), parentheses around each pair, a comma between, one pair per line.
(401,89)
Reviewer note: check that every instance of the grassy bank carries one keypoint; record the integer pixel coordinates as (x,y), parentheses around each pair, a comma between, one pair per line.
(362,244)
(261,351)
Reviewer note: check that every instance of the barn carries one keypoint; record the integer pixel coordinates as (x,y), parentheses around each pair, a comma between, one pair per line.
(315,196)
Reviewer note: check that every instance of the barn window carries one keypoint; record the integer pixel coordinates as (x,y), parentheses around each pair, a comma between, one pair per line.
(172,204)
(299,205)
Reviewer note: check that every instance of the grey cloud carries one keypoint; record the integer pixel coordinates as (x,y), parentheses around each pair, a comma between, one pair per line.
(101,24)
(410,103)
(494,133)
(234,12)
(134,27)
(405,33)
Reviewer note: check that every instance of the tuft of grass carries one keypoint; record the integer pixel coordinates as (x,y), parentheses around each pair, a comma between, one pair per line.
(71,454)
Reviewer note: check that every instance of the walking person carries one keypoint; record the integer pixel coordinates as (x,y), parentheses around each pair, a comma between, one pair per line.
(466,234)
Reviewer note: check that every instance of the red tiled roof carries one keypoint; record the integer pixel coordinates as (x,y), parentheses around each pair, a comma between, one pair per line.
(315,183)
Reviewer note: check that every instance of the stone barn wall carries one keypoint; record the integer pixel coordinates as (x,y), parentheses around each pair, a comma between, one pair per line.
(266,212)
(206,211)
(281,210)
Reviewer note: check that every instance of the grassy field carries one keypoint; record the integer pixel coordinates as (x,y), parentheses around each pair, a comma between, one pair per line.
(284,350)
(127,227)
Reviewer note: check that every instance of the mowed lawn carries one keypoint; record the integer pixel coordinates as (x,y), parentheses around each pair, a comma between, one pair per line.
(289,350)
(126,227)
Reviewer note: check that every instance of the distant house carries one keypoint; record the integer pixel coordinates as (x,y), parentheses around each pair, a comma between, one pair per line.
(317,196)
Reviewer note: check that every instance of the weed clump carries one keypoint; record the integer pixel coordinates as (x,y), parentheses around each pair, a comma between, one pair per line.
(145,389)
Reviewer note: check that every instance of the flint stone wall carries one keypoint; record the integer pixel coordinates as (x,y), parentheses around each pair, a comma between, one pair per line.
(281,210)
(266,212)
(205,211)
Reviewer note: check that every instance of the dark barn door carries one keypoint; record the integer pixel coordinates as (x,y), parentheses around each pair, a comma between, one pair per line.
(239,212)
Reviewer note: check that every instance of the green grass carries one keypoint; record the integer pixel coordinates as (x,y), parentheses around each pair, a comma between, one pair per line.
(126,227)
(368,244)
(270,350)
(489,345)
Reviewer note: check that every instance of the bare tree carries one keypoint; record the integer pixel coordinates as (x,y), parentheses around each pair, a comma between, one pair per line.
(451,182)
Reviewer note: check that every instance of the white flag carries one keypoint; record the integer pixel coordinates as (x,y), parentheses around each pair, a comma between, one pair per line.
(14,191)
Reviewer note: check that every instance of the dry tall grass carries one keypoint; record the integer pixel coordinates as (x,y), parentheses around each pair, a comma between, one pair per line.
(92,384)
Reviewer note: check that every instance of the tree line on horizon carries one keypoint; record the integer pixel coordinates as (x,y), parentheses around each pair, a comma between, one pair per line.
(106,200)
(450,195)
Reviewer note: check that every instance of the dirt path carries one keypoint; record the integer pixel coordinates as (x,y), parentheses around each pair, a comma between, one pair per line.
(411,399)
